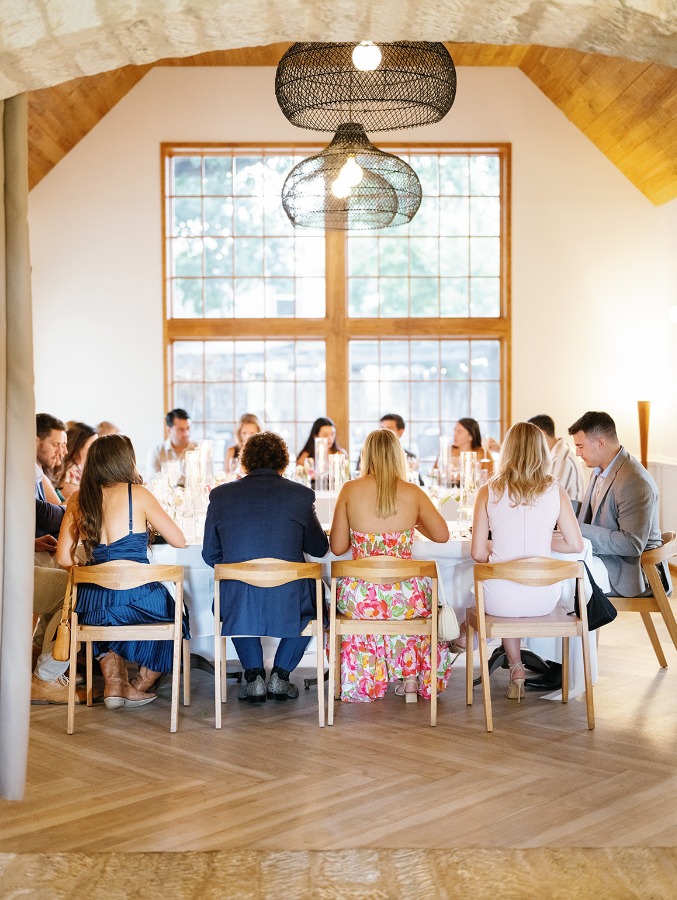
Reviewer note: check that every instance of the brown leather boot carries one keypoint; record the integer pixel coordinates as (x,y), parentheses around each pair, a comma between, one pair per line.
(145,679)
(118,692)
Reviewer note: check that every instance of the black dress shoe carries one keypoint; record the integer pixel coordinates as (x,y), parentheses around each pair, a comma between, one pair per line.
(551,680)
(254,688)
(280,687)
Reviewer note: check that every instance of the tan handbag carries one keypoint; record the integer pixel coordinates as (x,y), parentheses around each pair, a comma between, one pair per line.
(62,643)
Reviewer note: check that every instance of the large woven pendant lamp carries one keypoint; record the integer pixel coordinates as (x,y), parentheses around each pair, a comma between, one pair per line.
(385,86)
(351,184)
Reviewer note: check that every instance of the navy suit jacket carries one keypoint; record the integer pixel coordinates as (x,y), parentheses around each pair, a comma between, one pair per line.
(263,515)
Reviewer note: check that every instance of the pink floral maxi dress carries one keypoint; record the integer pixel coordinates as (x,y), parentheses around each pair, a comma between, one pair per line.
(369,662)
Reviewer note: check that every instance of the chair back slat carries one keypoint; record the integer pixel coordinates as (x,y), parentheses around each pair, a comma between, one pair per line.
(266,572)
(383,569)
(123,574)
(536,571)
(667,550)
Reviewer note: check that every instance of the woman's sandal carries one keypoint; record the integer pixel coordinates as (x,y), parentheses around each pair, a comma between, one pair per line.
(516,686)
(408,688)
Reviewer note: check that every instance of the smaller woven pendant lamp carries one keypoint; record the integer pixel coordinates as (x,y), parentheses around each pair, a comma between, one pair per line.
(351,184)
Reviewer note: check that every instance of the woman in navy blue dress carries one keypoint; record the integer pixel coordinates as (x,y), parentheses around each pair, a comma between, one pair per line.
(111,515)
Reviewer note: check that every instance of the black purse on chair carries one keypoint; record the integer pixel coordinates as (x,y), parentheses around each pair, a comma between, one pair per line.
(601,610)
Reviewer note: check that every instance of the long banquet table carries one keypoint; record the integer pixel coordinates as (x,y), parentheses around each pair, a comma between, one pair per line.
(456,574)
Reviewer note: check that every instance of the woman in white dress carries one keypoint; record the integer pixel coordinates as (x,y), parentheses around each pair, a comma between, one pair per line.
(515,517)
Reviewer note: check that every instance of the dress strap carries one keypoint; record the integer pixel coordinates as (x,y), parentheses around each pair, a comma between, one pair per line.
(129,494)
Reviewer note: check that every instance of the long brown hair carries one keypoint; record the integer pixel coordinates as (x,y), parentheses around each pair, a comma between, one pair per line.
(383,457)
(111,460)
(523,465)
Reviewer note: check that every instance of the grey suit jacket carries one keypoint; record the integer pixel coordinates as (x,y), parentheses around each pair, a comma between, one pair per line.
(624,524)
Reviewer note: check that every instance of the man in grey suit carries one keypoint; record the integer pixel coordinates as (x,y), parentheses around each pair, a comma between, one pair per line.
(619,513)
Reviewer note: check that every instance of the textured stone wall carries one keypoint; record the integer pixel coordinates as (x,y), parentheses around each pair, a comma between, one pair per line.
(46,42)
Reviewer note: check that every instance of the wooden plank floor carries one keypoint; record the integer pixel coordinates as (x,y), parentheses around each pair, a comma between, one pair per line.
(380,778)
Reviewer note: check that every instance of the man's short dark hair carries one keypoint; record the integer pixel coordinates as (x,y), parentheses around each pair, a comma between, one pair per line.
(397,419)
(45,424)
(598,423)
(175,414)
(265,450)
(545,423)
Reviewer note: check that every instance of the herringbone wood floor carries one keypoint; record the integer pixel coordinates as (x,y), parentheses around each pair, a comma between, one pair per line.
(380,778)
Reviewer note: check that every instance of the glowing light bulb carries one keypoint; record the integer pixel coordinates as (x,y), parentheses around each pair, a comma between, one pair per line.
(340,189)
(351,172)
(367,56)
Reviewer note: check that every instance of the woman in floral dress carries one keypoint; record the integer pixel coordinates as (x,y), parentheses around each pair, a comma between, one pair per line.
(375,515)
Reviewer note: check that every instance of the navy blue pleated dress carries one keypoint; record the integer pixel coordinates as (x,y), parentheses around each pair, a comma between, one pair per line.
(143,605)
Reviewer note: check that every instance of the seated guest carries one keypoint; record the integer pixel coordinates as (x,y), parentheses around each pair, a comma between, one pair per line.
(515,517)
(79,438)
(395,423)
(565,465)
(50,682)
(468,438)
(375,515)
(264,515)
(619,513)
(111,514)
(49,441)
(321,428)
(105,427)
(249,424)
(177,443)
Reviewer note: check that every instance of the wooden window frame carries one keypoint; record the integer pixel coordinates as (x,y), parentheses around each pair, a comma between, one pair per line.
(337,328)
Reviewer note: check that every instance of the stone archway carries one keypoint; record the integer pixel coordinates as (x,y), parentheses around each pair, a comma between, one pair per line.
(47,44)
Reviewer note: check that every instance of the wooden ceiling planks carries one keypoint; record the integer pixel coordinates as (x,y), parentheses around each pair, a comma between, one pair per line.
(627,109)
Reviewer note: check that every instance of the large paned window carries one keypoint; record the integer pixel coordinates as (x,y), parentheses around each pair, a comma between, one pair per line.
(292,324)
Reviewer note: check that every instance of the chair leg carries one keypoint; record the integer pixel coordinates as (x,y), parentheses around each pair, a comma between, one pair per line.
(319,637)
(469,642)
(587,670)
(72,670)
(334,683)
(565,670)
(486,686)
(653,637)
(88,671)
(224,669)
(433,680)
(186,673)
(176,672)
(217,673)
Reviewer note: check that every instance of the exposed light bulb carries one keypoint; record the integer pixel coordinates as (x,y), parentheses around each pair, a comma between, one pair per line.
(351,172)
(367,56)
(340,188)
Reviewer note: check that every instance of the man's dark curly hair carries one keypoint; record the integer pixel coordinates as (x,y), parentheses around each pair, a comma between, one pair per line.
(265,450)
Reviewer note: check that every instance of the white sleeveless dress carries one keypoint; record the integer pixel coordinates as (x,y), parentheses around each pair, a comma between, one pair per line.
(517,533)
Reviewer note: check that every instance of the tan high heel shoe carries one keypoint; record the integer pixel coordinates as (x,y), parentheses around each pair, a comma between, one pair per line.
(408,688)
(516,686)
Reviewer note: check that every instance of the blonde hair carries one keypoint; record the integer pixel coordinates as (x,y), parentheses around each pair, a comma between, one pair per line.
(247,419)
(383,457)
(523,465)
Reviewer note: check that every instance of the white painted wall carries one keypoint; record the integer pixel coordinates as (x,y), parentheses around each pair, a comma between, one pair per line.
(594,263)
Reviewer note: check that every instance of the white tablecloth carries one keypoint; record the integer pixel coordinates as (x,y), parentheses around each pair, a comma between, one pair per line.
(456,573)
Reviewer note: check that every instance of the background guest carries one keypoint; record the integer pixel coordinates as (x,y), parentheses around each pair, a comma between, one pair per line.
(104,428)
(177,443)
(323,427)
(265,515)
(520,507)
(50,438)
(79,438)
(565,465)
(375,515)
(249,424)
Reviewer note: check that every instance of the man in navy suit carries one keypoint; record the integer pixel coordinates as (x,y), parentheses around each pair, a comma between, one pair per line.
(264,515)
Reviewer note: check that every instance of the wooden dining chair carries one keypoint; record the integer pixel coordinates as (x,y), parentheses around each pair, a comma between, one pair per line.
(381,570)
(533,572)
(267,572)
(659,602)
(124,575)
